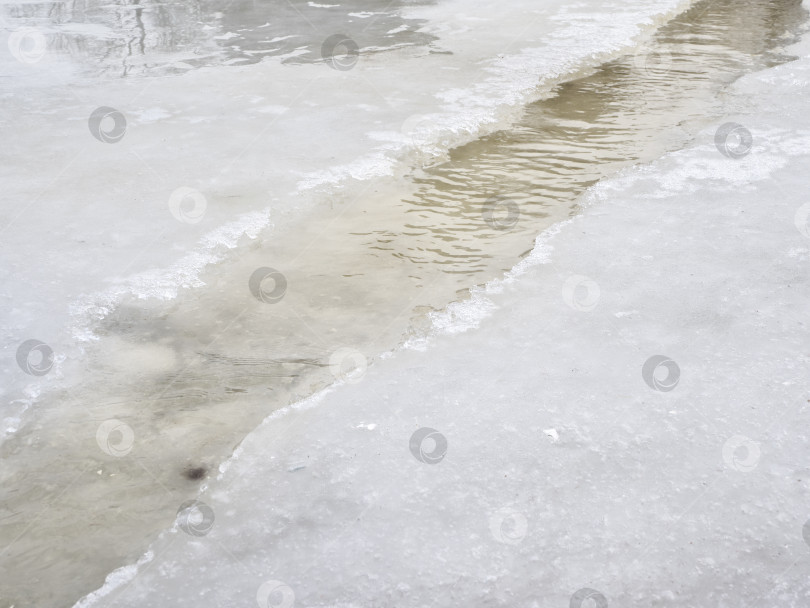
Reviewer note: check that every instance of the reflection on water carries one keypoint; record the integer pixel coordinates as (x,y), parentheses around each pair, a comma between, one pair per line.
(193,377)
(152,37)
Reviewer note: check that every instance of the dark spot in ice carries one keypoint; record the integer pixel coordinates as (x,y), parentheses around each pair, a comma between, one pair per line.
(195,472)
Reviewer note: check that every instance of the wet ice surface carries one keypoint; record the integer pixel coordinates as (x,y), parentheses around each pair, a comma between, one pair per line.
(566,466)
(191,377)
(150,38)
(95,246)
(90,226)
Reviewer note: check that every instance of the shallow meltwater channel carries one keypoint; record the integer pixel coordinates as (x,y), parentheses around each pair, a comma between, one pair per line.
(84,494)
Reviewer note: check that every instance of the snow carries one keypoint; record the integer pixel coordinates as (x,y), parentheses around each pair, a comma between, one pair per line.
(524,456)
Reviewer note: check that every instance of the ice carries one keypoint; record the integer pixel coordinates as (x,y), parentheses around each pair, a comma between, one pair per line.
(680,484)
(87,224)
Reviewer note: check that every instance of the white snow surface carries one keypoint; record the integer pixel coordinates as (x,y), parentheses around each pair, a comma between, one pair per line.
(695,496)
